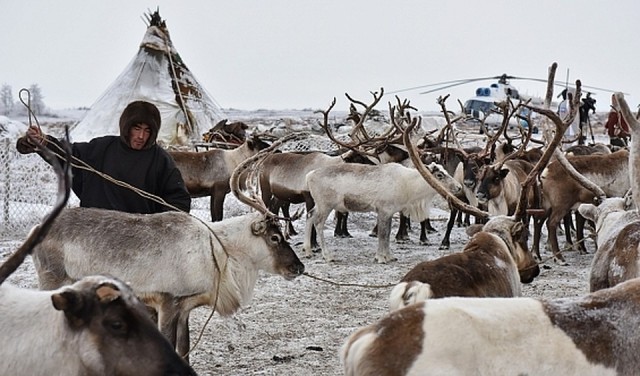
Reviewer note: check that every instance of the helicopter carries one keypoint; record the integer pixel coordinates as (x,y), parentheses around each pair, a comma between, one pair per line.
(482,104)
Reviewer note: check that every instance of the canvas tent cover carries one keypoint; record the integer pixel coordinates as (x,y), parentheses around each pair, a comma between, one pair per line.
(158,75)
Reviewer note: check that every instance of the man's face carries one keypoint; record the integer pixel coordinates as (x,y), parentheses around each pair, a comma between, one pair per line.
(139,135)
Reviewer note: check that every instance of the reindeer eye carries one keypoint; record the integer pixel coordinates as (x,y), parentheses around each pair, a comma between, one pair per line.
(116,326)
(275,238)
(439,175)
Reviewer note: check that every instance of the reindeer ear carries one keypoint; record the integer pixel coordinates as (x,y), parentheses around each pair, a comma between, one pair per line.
(107,292)
(589,211)
(629,204)
(258,227)
(68,300)
(516,230)
(474,228)
(73,304)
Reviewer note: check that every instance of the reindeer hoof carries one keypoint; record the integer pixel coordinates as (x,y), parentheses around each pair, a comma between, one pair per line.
(443,247)
(560,261)
(385,260)
(329,258)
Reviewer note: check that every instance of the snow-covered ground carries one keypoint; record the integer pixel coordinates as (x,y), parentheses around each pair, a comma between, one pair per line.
(297,327)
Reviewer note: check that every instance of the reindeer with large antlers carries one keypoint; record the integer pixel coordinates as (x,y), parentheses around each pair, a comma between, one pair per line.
(385,189)
(568,181)
(173,261)
(499,184)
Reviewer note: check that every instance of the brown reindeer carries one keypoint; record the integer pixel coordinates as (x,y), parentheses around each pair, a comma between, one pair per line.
(594,334)
(206,174)
(561,193)
(493,263)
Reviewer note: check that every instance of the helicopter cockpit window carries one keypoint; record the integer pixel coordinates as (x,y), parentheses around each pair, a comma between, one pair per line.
(513,93)
(475,108)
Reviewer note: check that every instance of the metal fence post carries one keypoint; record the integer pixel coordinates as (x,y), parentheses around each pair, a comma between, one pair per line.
(4,161)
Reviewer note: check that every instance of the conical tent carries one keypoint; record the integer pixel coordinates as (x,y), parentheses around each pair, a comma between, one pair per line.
(158,75)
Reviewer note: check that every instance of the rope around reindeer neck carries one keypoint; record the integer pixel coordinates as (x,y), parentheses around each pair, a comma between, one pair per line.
(80,164)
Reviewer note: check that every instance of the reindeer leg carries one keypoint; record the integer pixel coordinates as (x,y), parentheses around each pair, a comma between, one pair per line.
(580,221)
(430,229)
(459,218)
(341,225)
(374,231)
(308,233)
(537,233)
(383,255)
(344,230)
(568,224)
(423,232)
(403,229)
(552,233)
(182,340)
(320,218)
(446,242)
(284,207)
(217,205)
(168,318)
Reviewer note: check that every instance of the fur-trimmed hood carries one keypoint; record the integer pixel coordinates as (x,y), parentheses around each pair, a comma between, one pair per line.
(140,112)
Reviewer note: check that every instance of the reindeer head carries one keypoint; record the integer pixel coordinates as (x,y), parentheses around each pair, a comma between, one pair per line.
(266,225)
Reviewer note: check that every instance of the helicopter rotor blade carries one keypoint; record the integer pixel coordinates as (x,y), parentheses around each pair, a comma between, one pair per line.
(564,84)
(503,77)
(446,87)
(448,84)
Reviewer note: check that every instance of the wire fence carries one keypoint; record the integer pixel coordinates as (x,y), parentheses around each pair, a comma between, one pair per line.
(28,187)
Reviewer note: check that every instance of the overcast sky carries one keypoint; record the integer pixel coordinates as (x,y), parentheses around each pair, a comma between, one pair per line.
(297,54)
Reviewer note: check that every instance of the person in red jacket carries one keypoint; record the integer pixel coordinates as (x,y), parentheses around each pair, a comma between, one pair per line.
(616,127)
(133,157)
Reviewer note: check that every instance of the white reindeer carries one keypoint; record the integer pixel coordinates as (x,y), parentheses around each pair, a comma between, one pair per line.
(384,189)
(173,261)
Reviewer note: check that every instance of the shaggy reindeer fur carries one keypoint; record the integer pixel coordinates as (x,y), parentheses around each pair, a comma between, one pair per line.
(173,261)
(492,264)
(95,327)
(596,334)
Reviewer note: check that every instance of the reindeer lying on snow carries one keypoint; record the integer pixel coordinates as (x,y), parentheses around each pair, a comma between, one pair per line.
(96,326)
(173,261)
(596,334)
(492,264)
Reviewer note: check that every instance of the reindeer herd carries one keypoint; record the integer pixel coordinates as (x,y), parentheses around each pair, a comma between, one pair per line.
(461,313)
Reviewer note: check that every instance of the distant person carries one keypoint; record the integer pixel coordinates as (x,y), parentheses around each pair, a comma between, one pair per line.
(564,110)
(134,157)
(616,127)
(588,104)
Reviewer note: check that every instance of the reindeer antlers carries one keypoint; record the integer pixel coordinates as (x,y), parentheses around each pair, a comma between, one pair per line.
(426,174)
(363,143)
(255,163)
